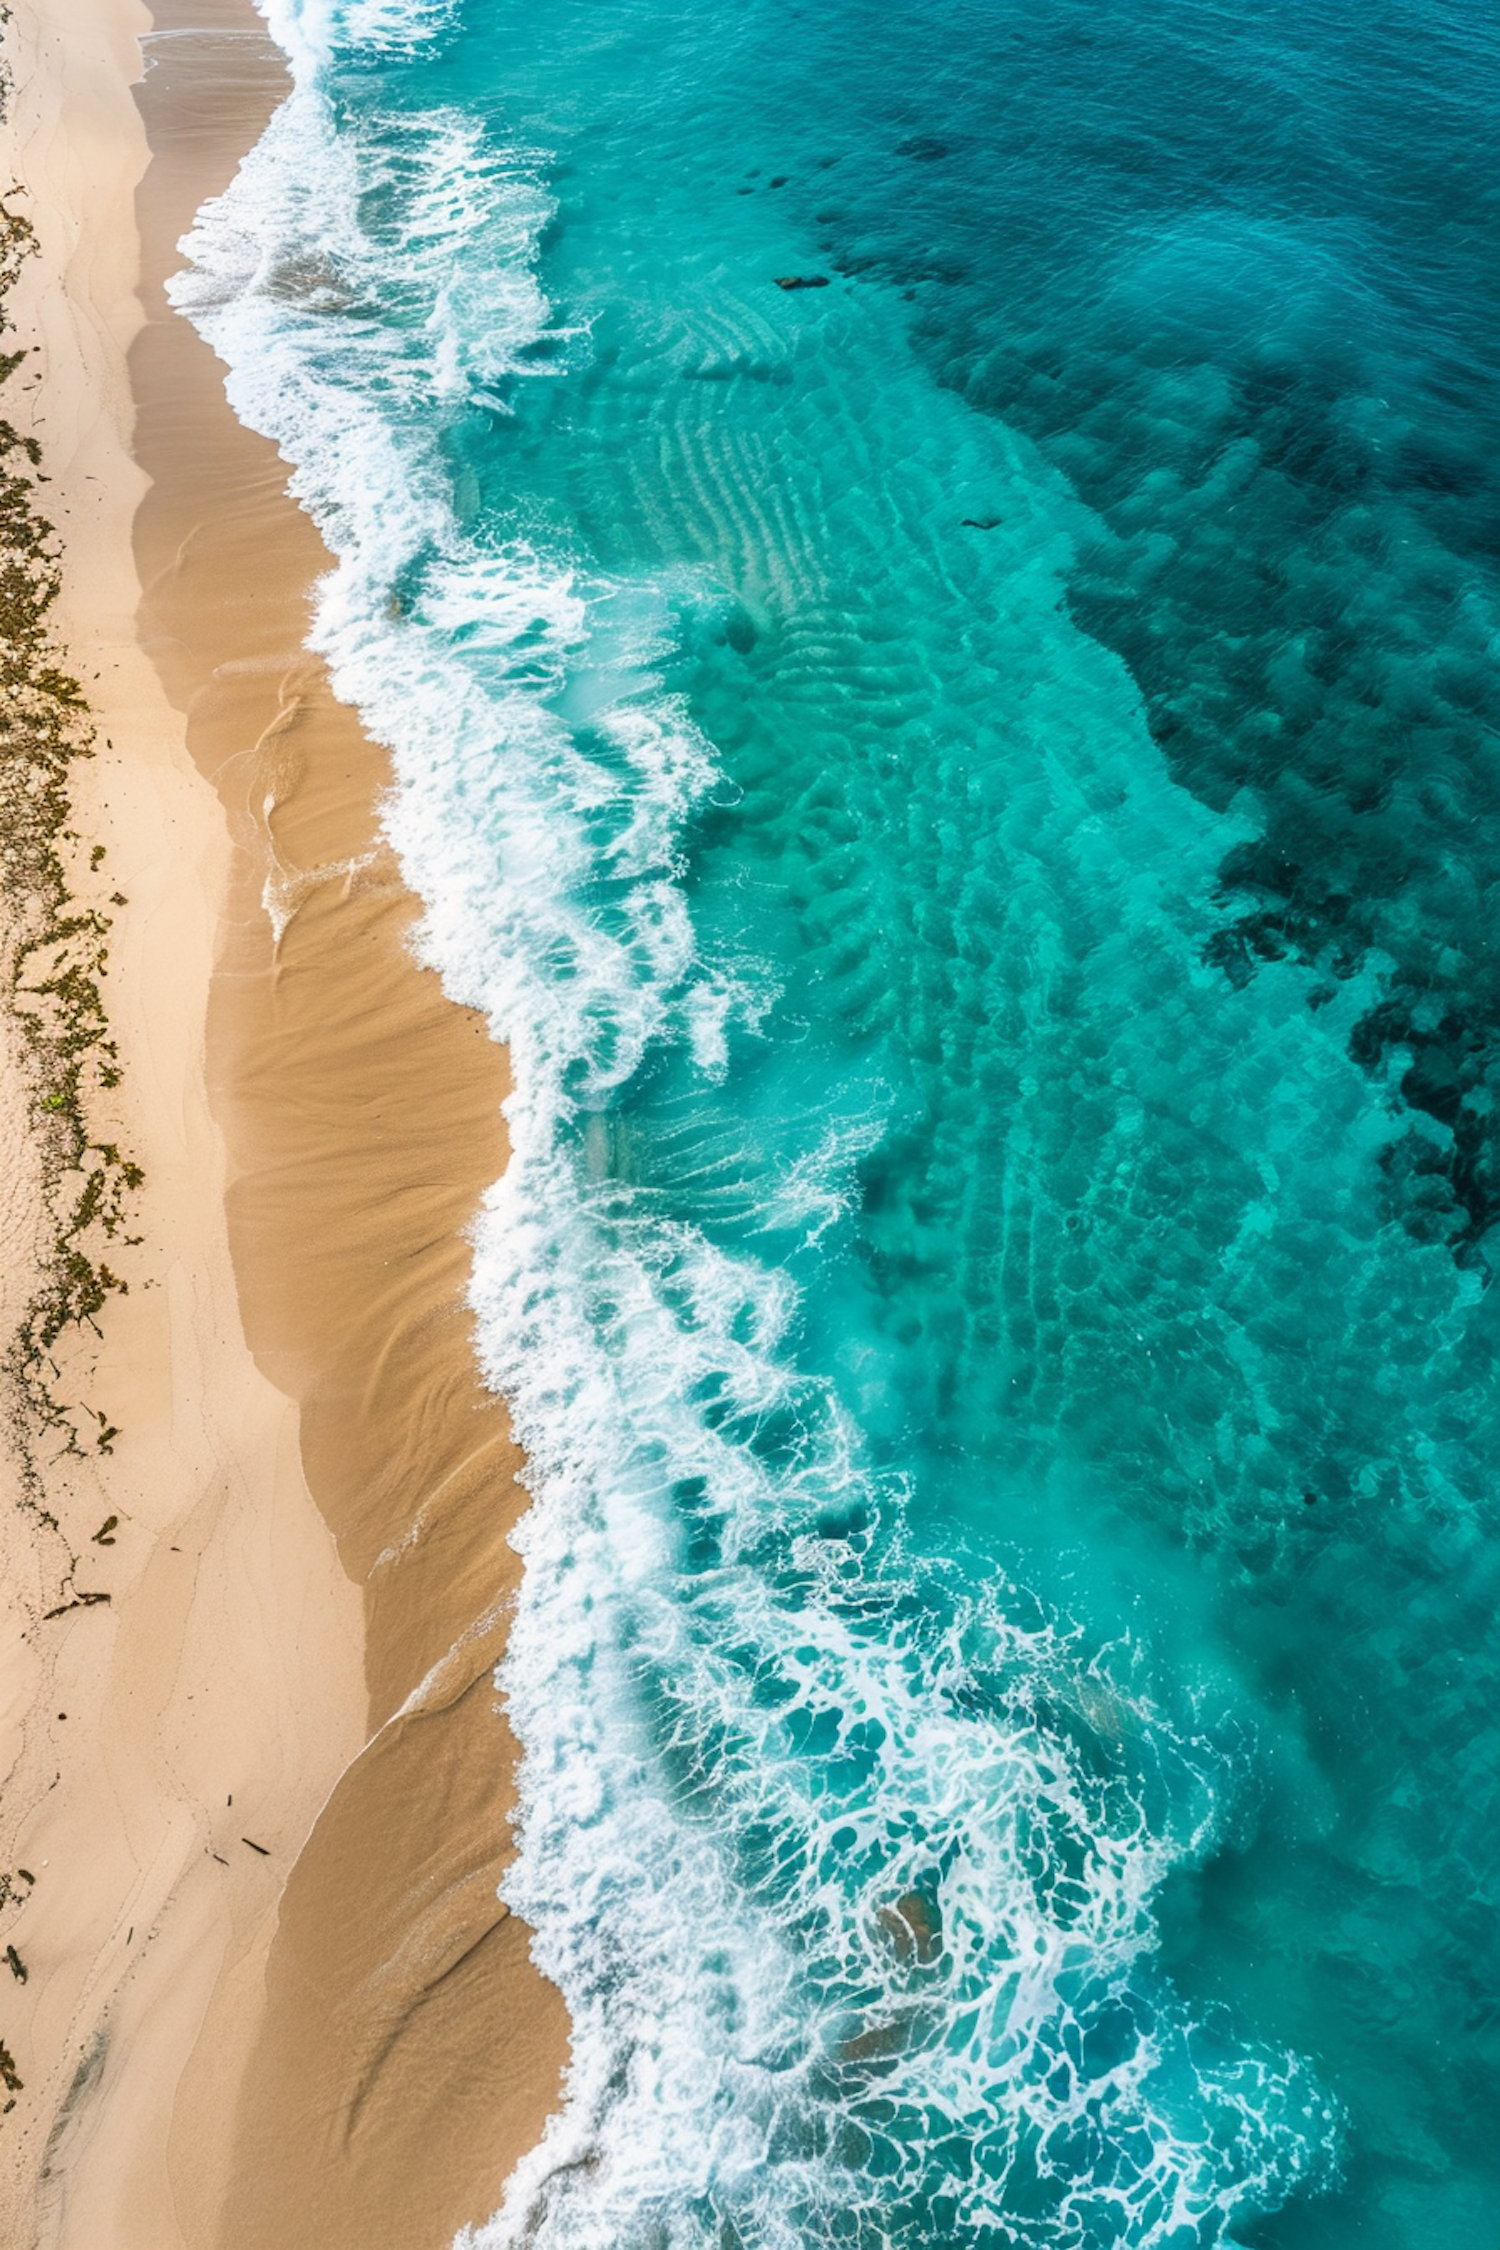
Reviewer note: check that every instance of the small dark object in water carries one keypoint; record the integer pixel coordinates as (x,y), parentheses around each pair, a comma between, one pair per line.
(261,1848)
(801,280)
(926,148)
(1309,1499)
(913,1927)
(982,523)
(780,180)
(18,1967)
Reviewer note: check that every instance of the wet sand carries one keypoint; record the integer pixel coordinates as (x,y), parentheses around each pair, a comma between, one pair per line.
(345,2042)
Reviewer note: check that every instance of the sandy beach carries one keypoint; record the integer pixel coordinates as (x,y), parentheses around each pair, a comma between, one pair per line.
(271,1997)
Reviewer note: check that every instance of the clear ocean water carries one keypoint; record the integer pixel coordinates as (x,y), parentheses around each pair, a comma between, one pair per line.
(970,791)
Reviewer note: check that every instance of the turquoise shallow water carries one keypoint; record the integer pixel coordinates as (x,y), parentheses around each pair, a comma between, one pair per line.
(970,790)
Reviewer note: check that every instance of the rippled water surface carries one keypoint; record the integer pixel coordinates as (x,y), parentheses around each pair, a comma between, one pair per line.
(969,786)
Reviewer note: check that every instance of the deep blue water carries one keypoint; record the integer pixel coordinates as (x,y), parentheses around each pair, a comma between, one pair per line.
(970,789)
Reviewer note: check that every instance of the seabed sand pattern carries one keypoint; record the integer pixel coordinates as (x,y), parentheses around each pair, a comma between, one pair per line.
(265,1839)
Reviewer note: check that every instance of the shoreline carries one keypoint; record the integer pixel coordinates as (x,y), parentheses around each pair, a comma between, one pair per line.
(365,2008)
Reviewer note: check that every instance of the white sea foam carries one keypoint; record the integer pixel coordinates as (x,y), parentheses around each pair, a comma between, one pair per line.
(311,32)
(819,1188)
(845,1873)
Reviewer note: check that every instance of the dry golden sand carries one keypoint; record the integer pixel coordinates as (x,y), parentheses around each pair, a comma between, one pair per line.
(342,2042)
(149,1921)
